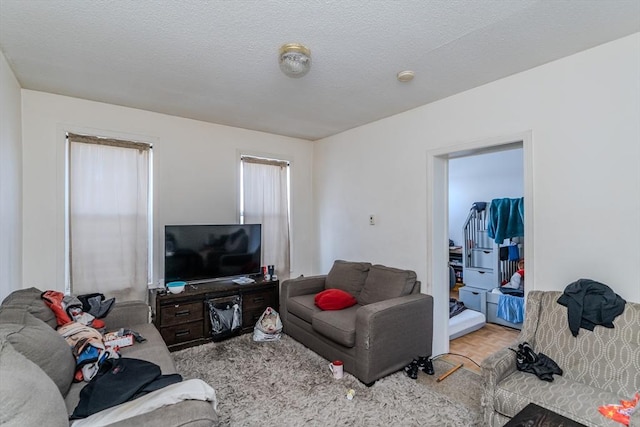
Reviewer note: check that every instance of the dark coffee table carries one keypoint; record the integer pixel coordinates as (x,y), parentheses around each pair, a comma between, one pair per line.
(536,416)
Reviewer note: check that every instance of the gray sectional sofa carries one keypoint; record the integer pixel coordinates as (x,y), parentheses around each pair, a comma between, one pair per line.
(600,367)
(391,324)
(37,366)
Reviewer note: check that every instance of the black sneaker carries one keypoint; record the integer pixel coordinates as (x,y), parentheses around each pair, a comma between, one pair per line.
(425,364)
(428,369)
(412,369)
(422,361)
(530,356)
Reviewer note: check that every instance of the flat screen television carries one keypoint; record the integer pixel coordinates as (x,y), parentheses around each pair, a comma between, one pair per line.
(197,253)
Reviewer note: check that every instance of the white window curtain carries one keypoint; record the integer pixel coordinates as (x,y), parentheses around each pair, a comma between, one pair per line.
(266,201)
(108,217)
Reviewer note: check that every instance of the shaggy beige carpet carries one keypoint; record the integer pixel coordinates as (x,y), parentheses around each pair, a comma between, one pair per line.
(283,383)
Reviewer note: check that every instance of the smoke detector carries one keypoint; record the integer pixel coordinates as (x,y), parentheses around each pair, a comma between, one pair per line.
(405,76)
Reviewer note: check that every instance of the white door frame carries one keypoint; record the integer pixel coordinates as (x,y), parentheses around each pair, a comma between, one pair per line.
(438,221)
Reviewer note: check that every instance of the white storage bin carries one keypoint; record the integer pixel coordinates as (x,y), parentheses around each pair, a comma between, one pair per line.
(480,278)
(482,258)
(474,298)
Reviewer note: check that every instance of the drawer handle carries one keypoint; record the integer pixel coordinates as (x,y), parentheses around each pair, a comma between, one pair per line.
(476,293)
(481,272)
(183,313)
(487,252)
(182,333)
(258,299)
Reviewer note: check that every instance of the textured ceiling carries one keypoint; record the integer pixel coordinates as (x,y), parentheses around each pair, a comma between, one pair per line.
(217,60)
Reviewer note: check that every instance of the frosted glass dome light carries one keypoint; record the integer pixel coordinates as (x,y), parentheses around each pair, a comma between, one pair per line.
(295,60)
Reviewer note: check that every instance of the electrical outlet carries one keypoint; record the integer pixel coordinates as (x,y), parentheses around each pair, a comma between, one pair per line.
(372,219)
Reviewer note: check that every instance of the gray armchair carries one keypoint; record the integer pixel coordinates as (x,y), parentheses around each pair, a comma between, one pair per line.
(391,324)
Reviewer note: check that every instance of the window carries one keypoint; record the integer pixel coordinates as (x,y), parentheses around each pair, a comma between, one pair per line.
(108,216)
(264,200)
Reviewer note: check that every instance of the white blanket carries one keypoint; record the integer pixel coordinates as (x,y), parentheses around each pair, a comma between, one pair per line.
(174,393)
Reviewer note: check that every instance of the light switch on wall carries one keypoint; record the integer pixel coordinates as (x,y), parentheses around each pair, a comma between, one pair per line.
(372,219)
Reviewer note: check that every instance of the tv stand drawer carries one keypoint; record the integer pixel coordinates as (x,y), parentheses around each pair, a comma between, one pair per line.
(254,304)
(176,314)
(261,300)
(182,333)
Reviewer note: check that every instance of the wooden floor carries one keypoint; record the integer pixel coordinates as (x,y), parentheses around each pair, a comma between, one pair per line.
(479,344)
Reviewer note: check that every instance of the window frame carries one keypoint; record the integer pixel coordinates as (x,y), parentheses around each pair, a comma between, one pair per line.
(240,202)
(130,143)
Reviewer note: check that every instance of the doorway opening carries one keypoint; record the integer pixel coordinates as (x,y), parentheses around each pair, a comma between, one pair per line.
(438,219)
(478,263)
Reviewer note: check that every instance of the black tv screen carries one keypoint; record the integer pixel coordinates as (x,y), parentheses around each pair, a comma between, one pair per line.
(203,252)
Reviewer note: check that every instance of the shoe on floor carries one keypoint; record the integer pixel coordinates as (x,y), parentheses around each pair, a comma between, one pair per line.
(412,370)
(426,365)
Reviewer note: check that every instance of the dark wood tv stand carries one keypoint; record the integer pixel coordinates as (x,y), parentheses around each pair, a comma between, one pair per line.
(183,319)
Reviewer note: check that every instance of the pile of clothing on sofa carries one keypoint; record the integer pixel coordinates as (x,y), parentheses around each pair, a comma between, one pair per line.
(79,323)
(111,379)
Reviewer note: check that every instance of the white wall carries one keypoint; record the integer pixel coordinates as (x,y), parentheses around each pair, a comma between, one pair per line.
(10,181)
(583,115)
(482,178)
(582,112)
(195,176)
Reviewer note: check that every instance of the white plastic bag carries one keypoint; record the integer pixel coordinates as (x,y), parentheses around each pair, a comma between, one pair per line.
(268,326)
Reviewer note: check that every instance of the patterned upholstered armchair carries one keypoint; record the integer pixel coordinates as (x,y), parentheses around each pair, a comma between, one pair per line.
(600,367)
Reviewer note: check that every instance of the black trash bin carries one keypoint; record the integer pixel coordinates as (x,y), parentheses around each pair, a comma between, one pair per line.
(225,314)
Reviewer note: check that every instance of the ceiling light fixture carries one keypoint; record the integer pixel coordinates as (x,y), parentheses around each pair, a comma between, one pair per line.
(295,60)
(405,76)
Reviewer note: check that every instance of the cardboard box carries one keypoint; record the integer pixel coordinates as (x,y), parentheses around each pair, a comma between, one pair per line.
(113,340)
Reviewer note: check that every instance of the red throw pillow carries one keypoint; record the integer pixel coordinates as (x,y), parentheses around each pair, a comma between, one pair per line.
(334,299)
